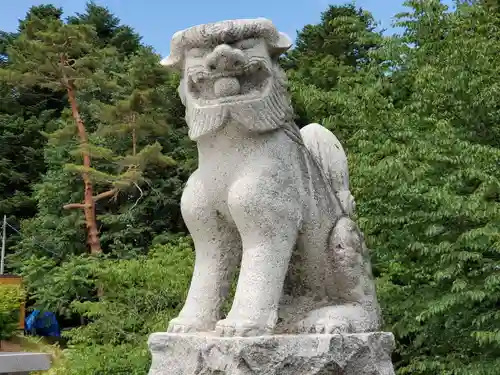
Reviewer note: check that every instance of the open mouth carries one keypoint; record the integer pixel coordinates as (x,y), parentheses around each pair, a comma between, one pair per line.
(246,84)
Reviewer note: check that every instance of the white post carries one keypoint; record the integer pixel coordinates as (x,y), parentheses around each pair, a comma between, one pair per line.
(4,238)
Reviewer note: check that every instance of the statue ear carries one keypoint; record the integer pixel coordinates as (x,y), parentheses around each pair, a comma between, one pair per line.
(283,44)
(172,63)
(174,60)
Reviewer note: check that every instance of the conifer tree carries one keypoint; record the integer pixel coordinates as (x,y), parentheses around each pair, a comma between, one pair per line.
(325,53)
(132,119)
(56,56)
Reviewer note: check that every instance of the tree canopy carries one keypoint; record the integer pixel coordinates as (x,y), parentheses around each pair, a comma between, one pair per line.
(419,116)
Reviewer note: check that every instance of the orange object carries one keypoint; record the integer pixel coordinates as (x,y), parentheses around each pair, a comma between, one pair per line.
(15,280)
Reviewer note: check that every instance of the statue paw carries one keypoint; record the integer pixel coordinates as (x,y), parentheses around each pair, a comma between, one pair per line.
(347,318)
(232,328)
(179,325)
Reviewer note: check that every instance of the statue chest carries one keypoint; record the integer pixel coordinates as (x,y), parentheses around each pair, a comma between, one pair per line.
(230,155)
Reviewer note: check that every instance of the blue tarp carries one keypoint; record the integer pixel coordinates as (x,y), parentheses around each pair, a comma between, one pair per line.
(42,324)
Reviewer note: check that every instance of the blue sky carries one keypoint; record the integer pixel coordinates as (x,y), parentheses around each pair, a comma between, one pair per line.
(157,20)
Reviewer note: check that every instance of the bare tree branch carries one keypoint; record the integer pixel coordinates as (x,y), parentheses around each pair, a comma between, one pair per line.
(74,205)
(106,194)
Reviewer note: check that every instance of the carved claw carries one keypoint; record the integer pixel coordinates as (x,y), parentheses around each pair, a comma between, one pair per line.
(337,328)
(230,328)
(319,328)
(177,325)
(180,328)
(324,327)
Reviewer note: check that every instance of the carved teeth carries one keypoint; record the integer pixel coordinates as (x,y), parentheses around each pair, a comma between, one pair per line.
(202,85)
(196,77)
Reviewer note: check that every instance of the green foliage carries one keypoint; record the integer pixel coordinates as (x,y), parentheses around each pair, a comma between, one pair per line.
(418,114)
(140,296)
(51,54)
(133,119)
(11,297)
(24,113)
(335,48)
(420,123)
(109,31)
(135,132)
(54,286)
(17,136)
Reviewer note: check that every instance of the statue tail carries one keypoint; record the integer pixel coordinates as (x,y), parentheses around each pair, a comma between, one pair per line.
(330,156)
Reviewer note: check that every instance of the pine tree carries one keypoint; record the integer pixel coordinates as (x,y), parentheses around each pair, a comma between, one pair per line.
(132,220)
(25,112)
(58,56)
(131,113)
(109,31)
(326,53)
(338,45)
(133,118)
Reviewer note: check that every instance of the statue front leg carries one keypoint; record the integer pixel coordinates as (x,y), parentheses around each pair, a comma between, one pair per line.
(218,252)
(268,217)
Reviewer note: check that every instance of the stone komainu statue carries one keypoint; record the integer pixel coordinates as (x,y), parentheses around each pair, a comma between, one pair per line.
(267,197)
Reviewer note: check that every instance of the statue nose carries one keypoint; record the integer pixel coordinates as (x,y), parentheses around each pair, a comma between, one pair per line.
(225,57)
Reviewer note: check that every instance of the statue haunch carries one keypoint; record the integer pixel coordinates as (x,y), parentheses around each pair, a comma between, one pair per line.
(266,197)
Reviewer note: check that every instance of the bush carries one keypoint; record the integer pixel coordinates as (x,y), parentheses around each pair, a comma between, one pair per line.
(11,297)
(140,296)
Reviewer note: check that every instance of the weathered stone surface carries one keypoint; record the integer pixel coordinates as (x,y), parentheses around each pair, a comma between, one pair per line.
(23,363)
(314,354)
(274,200)
(266,196)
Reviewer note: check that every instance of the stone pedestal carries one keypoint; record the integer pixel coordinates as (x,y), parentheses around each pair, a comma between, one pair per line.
(207,354)
(23,363)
